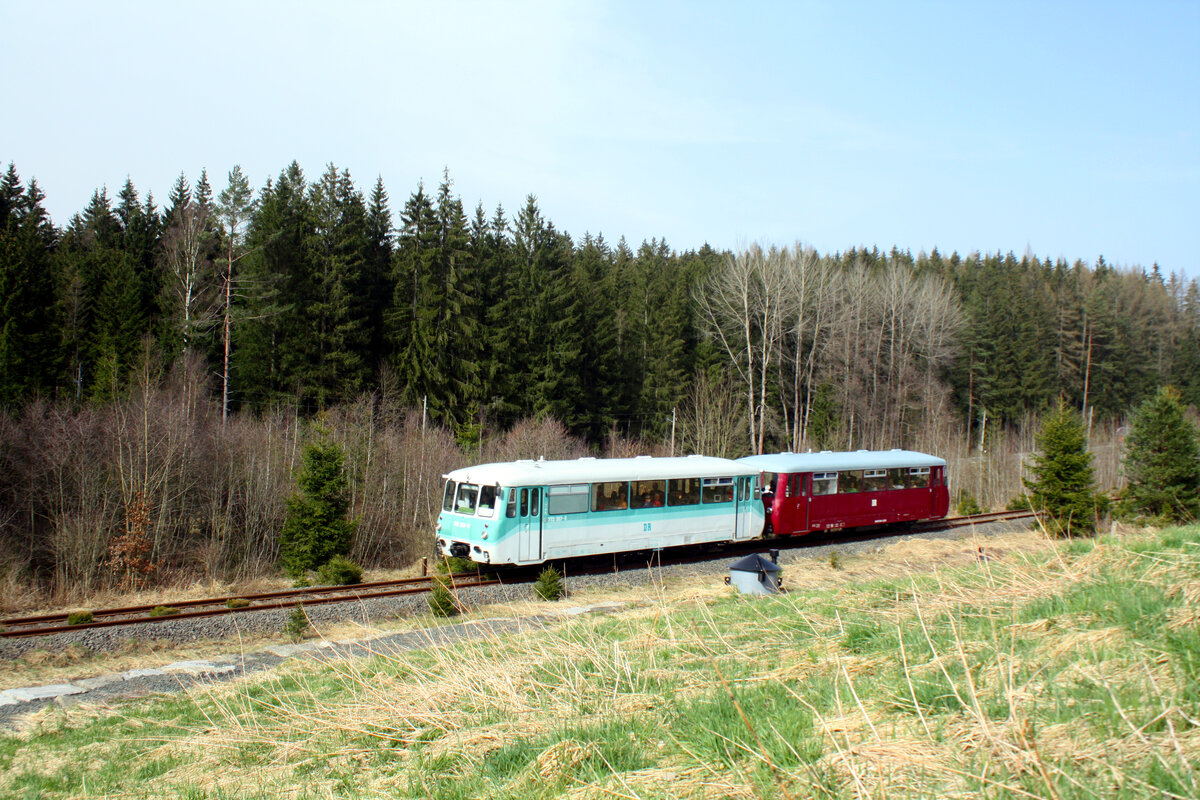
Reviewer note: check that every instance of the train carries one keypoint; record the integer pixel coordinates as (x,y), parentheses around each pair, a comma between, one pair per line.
(529,512)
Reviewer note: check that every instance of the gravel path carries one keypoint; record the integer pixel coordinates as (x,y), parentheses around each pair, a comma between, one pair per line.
(184,674)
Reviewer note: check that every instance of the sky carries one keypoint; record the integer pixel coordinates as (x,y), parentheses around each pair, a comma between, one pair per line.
(1062,129)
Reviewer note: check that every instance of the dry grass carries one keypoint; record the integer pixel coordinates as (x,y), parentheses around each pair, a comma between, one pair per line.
(925,675)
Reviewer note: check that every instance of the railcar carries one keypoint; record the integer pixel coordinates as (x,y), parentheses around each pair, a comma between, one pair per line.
(804,492)
(527,512)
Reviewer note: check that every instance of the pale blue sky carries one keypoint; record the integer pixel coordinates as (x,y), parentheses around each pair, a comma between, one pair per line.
(1069,129)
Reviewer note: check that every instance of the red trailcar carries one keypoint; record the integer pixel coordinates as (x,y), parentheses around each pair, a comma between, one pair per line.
(806,492)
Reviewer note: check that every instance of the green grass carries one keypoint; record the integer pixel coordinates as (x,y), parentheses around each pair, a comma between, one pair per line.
(1069,673)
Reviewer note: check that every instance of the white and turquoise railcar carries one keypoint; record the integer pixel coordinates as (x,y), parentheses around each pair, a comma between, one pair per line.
(527,512)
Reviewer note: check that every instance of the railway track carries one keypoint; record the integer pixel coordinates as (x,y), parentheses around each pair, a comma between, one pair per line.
(48,624)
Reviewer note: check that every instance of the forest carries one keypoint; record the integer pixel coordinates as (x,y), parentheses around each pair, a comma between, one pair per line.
(177,359)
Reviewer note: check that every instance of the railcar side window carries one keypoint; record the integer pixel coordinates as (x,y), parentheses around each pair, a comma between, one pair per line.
(464,501)
(448,497)
(512,503)
(717,490)
(524,502)
(850,481)
(874,480)
(683,491)
(797,488)
(572,499)
(534,494)
(611,496)
(487,501)
(895,479)
(918,477)
(648,494)
(824,483)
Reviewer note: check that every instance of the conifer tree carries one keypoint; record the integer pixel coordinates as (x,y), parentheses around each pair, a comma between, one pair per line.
(266,358)
(331,329)
(1162,460)
(1062,489)
(316,527)
(233,210)
(29,347)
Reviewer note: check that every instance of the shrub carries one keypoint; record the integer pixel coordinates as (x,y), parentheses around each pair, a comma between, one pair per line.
(296,627)
(340,571)
(163,611)
(453,565)
(835,559)
(549,585)
(237,602)
(1019,502)
(79,617)
(965,504)
(441,600)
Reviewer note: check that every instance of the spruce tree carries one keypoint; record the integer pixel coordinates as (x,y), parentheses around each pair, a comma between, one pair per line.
(1162,460)
(1062,489)
(316,527)
(29,344)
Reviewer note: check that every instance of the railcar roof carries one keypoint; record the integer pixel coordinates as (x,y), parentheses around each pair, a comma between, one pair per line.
(827,461)
(595,470)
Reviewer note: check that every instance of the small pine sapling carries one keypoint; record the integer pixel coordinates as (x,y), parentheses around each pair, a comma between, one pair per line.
(296,627)
(441,599)
(549,585)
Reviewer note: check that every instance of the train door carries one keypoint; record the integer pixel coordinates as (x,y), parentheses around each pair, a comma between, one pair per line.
(529,523)
(743,507)
(798,502)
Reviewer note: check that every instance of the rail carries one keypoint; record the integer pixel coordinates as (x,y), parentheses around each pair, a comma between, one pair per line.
(47,624)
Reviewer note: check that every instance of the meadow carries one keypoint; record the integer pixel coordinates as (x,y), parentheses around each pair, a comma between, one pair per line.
(1014,667)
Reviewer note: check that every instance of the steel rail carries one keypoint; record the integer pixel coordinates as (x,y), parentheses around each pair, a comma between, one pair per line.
(314,596)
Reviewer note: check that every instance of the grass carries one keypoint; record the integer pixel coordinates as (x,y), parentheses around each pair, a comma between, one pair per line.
(1061,670)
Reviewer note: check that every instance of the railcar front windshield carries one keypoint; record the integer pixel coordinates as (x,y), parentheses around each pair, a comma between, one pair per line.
(465,499)
(448,497)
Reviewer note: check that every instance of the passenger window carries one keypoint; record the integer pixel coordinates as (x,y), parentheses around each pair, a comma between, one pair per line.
(874,480)
(717,490)
(572,499)
(683,491)
(850,482)
(895,478)
(918,477)
(824,483)
(512,503)
(648,494)
(611,496)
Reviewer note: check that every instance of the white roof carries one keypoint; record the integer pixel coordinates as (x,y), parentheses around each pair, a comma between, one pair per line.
(596,470)
(827,461)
